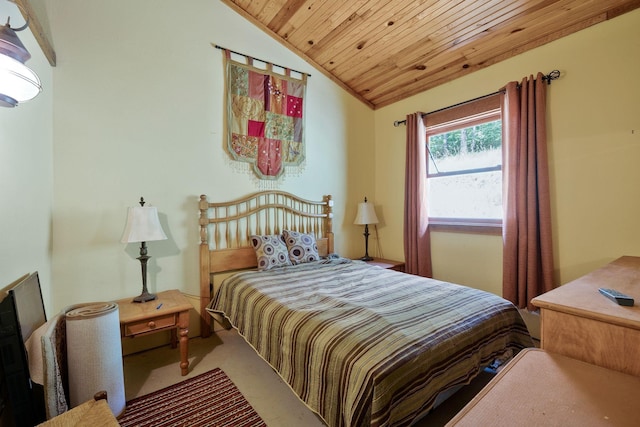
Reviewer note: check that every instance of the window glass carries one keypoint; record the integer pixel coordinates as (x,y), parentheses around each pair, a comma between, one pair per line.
(465,168)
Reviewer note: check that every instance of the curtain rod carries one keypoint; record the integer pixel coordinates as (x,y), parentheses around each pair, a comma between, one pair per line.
(555,74)
(258,59)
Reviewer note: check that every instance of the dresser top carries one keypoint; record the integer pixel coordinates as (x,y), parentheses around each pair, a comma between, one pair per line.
(581,297)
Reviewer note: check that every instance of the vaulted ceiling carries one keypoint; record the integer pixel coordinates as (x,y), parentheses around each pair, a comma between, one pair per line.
(383,51)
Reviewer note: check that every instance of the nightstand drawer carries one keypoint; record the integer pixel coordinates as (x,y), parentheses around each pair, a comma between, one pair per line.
(150,325)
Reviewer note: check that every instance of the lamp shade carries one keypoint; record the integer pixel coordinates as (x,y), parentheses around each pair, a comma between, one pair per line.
(143,225)
(18,83)
(366,214)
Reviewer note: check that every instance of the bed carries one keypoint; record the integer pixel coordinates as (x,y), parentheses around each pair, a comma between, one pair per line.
(359,344)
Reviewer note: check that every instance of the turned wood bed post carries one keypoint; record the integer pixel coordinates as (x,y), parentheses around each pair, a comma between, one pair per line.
(328,231)
(205,276)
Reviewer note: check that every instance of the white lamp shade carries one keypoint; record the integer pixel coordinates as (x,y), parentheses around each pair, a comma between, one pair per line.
(366,214)
(143,225)
(17,82)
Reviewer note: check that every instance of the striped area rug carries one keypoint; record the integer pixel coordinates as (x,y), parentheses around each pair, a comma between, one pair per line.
(209,399)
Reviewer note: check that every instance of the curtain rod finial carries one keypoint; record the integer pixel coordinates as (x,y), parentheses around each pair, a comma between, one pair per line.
(553,75)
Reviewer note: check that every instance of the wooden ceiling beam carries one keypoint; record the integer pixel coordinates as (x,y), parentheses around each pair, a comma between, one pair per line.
(41,37)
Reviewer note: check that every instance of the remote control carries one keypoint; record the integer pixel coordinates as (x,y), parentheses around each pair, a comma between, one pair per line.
(617,296)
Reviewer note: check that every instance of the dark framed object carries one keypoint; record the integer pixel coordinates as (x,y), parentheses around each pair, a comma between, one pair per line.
(21,313)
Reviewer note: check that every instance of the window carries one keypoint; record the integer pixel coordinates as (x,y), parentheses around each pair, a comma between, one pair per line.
(464,166)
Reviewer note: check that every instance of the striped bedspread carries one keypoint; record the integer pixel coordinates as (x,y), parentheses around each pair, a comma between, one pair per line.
(362,345)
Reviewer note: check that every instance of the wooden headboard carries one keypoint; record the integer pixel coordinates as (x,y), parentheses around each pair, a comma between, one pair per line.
(225,228)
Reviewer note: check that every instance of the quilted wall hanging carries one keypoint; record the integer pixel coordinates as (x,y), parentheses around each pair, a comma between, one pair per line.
(265,116)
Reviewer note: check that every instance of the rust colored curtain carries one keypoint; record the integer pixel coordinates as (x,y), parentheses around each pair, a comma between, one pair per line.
(526,230)
(417,240)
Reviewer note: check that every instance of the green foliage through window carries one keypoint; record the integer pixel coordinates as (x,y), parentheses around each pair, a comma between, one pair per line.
(472,139)
(464,173)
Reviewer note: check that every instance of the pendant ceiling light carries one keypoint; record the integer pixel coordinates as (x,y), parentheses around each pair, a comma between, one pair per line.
(17,82)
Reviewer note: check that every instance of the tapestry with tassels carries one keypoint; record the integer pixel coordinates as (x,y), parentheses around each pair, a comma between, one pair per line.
(265,117)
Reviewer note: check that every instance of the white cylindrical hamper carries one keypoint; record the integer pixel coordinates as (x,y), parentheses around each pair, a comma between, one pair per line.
(94,354)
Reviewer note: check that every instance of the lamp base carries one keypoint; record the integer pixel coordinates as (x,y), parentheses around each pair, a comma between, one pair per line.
(366,258)
(144,297)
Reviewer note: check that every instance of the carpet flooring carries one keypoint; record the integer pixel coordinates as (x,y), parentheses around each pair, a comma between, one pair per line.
(209,399)
(267,393)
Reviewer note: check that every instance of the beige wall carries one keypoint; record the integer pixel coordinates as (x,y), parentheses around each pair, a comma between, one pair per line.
(594,150)
(134,107)
(138,112)
(26,196)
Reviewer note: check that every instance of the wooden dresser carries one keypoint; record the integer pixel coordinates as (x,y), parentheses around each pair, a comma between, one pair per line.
(577,321)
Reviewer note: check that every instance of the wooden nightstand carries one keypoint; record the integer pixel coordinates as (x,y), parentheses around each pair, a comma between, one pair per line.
(387,263)
(169,311)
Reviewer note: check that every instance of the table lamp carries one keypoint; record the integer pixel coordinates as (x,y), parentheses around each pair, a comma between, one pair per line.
(366,215)
(143,225)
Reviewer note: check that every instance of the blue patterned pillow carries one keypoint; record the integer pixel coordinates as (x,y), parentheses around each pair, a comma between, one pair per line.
(271,251)
(302,247)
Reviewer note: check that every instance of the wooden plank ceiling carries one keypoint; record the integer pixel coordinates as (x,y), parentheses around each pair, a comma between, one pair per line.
(383,51)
